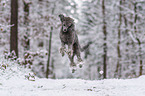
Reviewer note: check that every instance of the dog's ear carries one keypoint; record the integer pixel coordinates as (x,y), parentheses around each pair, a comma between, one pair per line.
(61,16)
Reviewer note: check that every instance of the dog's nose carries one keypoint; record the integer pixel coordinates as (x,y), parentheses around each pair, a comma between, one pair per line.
(64,30)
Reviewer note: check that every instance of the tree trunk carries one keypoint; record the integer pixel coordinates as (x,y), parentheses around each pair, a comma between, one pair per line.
(49,50)
(14,28)
(118,67)
(138,40)
(127,54)
(49,53)
(105,39)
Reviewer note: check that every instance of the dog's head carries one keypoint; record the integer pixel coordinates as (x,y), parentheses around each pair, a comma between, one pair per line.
(67,22)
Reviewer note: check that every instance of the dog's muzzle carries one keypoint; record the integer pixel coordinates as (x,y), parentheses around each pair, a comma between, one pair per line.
(64,30)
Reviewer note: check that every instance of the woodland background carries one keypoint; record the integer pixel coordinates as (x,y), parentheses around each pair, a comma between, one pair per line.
(111,31)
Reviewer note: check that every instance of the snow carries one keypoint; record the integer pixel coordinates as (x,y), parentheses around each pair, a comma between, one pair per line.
(73,87)
(14,82)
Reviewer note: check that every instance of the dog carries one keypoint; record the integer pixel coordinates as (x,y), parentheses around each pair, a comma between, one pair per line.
(68,36)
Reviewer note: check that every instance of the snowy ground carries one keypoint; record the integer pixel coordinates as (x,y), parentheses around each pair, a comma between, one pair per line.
(13,82)
(73,87)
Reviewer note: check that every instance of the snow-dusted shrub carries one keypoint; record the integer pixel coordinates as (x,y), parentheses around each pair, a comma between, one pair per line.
(11,69)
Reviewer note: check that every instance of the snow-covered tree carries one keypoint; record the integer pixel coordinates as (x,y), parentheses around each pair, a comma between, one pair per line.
(124,37)
(4,24)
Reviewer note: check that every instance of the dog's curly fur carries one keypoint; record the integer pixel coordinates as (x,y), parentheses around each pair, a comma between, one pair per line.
(69,37)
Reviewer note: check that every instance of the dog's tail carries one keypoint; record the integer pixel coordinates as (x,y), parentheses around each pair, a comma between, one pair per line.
(86,46)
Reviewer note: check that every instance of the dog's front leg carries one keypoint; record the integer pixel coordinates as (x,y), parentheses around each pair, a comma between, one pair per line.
(70,46)
(62,49)
(70,49)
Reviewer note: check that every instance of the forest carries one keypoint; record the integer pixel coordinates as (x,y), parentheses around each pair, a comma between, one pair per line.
(112,33)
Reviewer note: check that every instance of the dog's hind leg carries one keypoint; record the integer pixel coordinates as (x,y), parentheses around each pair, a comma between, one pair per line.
(79,57)
(71,58)
(77,49)
(80,60)
(72,63)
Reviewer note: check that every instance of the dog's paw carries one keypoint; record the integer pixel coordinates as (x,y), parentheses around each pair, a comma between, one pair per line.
(62,49)
(73,70)
(73,67)
(72,64)
(70,52)
(80,64)
(80,60)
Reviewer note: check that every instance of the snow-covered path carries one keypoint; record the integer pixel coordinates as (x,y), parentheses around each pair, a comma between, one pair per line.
(14,82)
(73,87)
